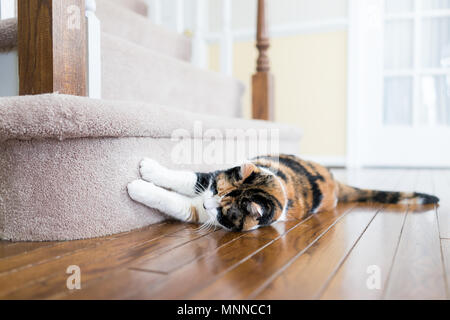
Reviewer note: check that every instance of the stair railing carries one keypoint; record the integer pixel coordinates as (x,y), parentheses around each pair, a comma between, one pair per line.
(262,80)
(64,54)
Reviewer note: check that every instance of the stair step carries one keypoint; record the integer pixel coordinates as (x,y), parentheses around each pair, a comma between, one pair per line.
(131,72)
(136,73)
(84,153)
(133,27)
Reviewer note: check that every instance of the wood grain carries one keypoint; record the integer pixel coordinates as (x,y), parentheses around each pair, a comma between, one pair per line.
(10,249)
(96,258)
(293,259)
(52,47)
(201,271)
(248,276)
(376,248)
(417,270)
(178,257)
(305,276)
(441,180)
(446,255)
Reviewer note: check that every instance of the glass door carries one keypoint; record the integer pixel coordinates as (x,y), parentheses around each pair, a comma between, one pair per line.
(406,115)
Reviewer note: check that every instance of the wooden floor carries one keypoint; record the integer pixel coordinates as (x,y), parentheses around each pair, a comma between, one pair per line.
(355,252)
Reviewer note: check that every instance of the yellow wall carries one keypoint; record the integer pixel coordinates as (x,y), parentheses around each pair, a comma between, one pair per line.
(310,73)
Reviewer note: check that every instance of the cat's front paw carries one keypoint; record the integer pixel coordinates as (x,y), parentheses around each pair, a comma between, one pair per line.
(151,170)
(139,190)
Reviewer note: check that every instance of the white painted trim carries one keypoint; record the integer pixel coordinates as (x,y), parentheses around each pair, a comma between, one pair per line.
(353,85)
(417,58)
(94,59)
(328,160)
(419,71)
(179,18)
(226,43)
(7,9)
(421,14)
(9,75)
(199,48)
(285,29)
(154,11)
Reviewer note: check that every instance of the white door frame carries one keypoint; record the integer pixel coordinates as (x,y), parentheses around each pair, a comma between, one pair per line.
(363,20)
(420,146)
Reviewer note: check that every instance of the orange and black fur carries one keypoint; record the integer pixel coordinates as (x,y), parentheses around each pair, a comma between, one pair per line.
(262,191)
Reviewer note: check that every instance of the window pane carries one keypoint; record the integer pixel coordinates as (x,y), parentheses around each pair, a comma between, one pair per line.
(397,6)
(435,100)
(436,4)
(435,41)
(397,101)
(398,46)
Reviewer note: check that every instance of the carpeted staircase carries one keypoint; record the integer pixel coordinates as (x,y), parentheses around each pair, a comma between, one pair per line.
(65,161)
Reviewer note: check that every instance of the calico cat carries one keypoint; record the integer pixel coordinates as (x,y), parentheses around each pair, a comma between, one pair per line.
(258,193)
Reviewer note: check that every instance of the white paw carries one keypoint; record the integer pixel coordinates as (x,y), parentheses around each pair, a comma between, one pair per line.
(140,190)
(151,170)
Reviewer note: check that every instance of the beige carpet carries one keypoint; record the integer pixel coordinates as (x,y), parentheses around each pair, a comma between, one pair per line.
(65,162)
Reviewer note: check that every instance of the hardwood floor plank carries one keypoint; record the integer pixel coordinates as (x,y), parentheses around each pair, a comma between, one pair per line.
(305,276)
(417,271)
(117,285)
(180,256)
(248,276)
(9,249)
(376,247)
(58,249)
(193,275)
(287,260)
(441,179)
(445,243)
(49,277)
(148,285)
(175,259)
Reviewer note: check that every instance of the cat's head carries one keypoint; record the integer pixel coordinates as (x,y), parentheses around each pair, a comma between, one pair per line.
(248,197)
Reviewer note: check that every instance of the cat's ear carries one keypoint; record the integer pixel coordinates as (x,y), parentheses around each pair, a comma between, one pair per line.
(247,169)
(255,209)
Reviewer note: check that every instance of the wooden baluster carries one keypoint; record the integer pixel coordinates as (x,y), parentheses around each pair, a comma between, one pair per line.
(52,47)
(262,80)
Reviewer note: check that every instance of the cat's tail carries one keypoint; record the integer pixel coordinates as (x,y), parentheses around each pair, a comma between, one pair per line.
(349,194)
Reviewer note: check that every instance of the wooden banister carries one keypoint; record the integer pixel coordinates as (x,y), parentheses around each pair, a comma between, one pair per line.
(262,80)
(52,46)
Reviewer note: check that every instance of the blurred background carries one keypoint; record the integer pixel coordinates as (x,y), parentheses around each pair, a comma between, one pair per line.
(368,81)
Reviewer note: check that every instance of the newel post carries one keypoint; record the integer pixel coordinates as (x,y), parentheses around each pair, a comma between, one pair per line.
(262,80)
(52,46)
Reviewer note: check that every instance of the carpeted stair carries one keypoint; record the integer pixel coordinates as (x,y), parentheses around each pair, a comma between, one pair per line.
(136,28)
(65,161)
